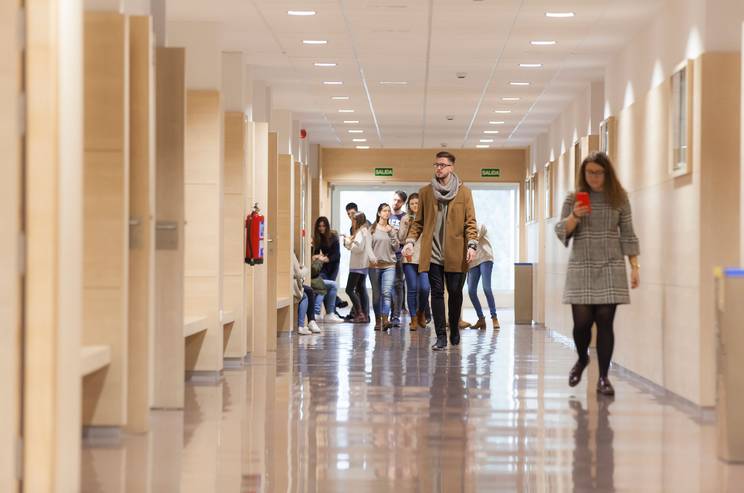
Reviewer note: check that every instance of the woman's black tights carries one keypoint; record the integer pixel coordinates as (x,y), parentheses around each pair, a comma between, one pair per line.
(585,316)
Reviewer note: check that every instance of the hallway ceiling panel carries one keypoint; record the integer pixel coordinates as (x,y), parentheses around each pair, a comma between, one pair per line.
(425,43)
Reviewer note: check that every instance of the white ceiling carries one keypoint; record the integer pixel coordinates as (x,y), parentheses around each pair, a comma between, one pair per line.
(423,42)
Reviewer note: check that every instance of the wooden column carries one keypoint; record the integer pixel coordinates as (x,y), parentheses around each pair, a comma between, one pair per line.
(168,343)
(106,213)
(203,232)
(284,242)
(234,254)
(141,226)
(272,217)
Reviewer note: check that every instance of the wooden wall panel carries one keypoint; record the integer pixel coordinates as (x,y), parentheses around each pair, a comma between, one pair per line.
(142,227)
(106,213)
(234,217)
(10,228)
(262,304)
(168,343)
(203,232)
(272,218)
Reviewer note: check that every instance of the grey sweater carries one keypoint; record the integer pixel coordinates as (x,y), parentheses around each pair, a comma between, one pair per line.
(384,246)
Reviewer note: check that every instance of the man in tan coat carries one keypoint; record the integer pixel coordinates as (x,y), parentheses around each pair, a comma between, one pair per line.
(449,238)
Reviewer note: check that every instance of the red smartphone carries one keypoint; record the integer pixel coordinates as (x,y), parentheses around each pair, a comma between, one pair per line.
(583,199)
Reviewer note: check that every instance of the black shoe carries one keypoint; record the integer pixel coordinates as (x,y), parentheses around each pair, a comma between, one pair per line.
(441,344)
(341,303)
(395,321)
(574,376)
(455,341)
(604,387)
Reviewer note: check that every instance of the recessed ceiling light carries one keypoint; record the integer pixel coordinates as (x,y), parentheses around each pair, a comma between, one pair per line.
(482,146)
(542,43)
(346,111)
(356,131)
(496,123)
(340,98)
(301,13)
(502,112)
(314,41)
(486,140)
(530,65)
(362,147)
(324,64)
(490,131)
(560,15)
(510,99)
(359,140)
(393,82)
(333,83)
(513,83)
(351,121)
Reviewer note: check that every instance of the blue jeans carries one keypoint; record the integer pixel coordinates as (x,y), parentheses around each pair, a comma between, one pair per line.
(302,311)
(329,299)
(382,289)
(418,289)
(474,276)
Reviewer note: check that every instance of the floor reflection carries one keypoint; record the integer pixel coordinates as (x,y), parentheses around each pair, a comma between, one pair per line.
(353,410)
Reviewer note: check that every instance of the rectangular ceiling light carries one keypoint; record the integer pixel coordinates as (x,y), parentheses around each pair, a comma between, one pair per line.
(510,99)
(519,83)
(356,131)
(314,41)
(333,83)
(482,146)
(491,131)
(531,65)
(351,121)
(340,98)
(324,64)
(486,140)
(362,147)
(393,82)
(559,15)
(301,13)
(502,112)
(542,43)
(346,111)
(495,123)
(359,140)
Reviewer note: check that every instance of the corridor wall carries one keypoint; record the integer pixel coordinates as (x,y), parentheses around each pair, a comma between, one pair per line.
(284,242)
(106,214)
(272,230)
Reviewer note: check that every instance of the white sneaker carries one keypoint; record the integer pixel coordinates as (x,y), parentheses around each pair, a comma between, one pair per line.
(333,319)
(313,327)
(304,331)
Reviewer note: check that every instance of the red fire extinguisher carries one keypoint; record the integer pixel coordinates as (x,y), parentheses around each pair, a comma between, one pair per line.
(254,237)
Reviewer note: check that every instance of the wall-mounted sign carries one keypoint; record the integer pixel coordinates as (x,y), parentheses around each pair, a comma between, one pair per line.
(490,172)
(383,171)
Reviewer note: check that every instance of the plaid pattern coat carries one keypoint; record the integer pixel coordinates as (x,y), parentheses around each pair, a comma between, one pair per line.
(601,241)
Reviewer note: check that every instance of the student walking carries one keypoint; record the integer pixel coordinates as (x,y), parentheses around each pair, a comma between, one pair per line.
(417,283)
(382,266)
(597,219)
(481,268)
(360,246)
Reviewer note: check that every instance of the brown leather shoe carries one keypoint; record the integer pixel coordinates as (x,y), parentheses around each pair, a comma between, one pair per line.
(495,321)
(414,326)
(480,324)
(604,387)
(463,324)
(386,325)
(378,323)
(421,319)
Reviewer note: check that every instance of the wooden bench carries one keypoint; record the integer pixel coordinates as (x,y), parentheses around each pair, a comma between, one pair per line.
(283,302)
(228,318)
(94,358)
(194,325)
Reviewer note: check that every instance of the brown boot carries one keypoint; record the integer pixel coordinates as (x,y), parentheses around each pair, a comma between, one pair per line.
(421,319)
(386,322)
(495,321)
(463,324)
(378,323)
(414,324)
(480,324)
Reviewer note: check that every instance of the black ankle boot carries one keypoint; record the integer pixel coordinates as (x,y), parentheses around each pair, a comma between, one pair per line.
(441,344)
(574,376)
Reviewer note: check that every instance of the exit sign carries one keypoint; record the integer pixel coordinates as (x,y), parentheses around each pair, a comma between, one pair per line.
(490,172)
(383,171)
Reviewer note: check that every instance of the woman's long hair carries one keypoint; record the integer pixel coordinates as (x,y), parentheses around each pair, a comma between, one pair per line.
(377,219)
(613,189)
(325,239)
(408,203)
(360,220)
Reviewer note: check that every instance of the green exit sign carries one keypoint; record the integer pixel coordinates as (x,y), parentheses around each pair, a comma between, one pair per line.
(490,172)
(383,171)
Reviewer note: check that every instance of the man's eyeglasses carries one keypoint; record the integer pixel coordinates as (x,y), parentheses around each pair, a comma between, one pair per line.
(441,165)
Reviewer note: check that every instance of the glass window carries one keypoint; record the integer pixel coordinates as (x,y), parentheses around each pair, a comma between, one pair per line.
(680,109)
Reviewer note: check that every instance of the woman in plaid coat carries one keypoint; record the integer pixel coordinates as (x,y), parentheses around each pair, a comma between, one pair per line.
(596,283)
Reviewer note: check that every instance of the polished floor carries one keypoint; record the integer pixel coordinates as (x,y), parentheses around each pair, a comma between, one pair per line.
(352,410)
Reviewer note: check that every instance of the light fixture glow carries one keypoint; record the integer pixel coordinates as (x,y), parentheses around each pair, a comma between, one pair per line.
(559,15)
(510,99)
(482,146)
(340,98)
(531,65)
(359,140)
(356,131)
(491,132)
(351,121)
(324,64)
(486,140)
(393,82)
(346,111)
(301,13)
(542,43)
(514,83)
(362,147)
(495,123)
(502,112)
(314,41)
(333,83)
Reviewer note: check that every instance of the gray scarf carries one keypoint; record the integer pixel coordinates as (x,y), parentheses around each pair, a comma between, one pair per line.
(445,193)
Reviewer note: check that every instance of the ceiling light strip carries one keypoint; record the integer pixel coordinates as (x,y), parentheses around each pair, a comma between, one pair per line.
(426,75)
(361,71)
(491,76)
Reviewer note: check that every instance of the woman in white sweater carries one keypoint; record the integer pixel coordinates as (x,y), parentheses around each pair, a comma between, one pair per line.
(360,246)
(482,266)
